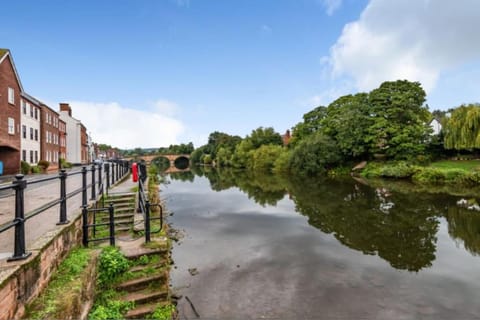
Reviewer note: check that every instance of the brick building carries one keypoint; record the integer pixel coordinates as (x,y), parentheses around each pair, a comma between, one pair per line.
(50,138)
(10,89)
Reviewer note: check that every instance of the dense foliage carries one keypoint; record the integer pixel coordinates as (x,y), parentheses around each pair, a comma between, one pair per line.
(392,122)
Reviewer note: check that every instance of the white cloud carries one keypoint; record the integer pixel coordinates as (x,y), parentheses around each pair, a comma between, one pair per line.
(124,127)
(407,39)
(331,5)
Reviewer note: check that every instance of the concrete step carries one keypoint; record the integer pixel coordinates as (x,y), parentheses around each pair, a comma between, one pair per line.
(142,311)
(157,280)
(145,252)
(158,265)
(147,296)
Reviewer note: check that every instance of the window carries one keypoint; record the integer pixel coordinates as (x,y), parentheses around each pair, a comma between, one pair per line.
(24,106)
(29,106)
(31,133)
(36,113)
(24,132)
(11,95)
(36,134)
(36,156)
(31,156)
(24,155)
(11,126)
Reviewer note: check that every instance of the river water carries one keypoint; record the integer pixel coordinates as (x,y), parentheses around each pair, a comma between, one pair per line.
(263,247)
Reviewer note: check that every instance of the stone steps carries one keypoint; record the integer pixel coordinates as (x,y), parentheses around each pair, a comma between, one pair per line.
(157,280)
(147,296)
(142,311)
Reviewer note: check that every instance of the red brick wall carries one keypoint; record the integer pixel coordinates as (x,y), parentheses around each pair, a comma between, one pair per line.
(48,123)
(9,144)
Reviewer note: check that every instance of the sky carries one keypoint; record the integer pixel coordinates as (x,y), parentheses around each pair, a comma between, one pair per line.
(150,73)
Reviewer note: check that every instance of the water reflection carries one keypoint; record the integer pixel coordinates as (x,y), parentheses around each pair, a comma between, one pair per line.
(389,221)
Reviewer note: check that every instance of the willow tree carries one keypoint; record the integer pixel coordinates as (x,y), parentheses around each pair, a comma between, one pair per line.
(462,129)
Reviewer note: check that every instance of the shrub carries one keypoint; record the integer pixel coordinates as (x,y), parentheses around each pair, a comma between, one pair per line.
(36,169)
(456,176)
(25,167)
(429,175)
(43,164)
(111,264)
(398,170)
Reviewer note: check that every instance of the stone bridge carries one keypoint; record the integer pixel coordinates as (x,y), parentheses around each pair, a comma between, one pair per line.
(171,157)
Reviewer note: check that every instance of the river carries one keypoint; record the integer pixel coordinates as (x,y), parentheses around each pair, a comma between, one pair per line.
(263,247)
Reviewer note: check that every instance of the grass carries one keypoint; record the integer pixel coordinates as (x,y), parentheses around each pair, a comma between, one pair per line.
(63,295)
(467,165)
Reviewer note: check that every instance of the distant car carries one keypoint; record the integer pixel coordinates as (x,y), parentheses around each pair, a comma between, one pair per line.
(98,161)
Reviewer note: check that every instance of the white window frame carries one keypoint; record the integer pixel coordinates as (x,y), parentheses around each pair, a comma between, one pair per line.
(11,95)
(11,125)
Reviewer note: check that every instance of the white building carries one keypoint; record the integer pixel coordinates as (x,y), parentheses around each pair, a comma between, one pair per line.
(30,129)
(73,129)
(436,126)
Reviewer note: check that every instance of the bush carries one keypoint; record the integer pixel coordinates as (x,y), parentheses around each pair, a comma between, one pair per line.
(111,264)
(43,164)
(429,175)
(398,170)
(25,167)
(65,164)
(36,169)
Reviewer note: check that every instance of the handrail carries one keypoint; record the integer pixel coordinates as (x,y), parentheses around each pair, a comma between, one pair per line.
(144,205)
(20,184)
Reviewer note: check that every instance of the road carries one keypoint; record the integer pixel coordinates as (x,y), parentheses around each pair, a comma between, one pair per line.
(37,195)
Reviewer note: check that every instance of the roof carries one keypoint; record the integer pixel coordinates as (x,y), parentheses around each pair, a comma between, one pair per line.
(32,99)
(5,53)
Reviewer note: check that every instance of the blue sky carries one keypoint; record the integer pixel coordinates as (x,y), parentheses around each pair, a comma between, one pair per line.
(151,73)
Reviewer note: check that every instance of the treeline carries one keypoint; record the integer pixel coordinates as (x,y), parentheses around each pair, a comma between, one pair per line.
(183,148)
(391,122)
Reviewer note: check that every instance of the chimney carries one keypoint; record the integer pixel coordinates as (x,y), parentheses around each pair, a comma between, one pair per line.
(66,107)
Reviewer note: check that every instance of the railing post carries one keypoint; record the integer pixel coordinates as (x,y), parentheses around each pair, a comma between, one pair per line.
(147,221)
(94,191)
(84,186)
(161,216)
(100,189)
(107,173)
(112,224)
(63,197)
(118,170)
(85,226)
(113,173)
(19,250)
(139,196)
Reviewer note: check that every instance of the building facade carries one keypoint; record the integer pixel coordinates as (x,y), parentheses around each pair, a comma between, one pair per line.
(50,139)
(74,140)
(62,132)
(30,118)
(10,89)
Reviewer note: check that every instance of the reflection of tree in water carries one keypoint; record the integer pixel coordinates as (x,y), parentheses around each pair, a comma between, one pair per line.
(183,176)
(390,221)
(264,189)
(404,234)
(465,225)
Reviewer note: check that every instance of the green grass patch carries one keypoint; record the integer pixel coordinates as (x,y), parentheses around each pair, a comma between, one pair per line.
(467,165)
(63,294)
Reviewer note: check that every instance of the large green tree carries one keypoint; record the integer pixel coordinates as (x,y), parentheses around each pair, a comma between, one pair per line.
(347,122)
(462,128)
(312,122)
(400,119)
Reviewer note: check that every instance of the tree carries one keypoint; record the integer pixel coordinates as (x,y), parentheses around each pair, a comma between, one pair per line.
(347,121)
(314,155)
(312,122)
(264,157)
(462,128)
(399,119)
(264,136)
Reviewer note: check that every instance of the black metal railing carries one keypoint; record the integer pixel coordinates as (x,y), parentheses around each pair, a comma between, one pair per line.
(97,190)
(86,225)
(144,207)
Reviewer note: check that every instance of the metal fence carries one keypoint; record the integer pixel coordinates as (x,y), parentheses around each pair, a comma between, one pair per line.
(144,205)
(102,177)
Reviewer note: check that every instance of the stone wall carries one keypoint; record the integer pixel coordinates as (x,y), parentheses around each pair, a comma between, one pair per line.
(23,281)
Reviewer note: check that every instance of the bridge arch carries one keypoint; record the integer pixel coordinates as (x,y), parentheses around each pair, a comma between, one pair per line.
(178,162)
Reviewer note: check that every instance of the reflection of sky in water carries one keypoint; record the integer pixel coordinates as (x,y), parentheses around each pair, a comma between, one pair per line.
(268,261)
